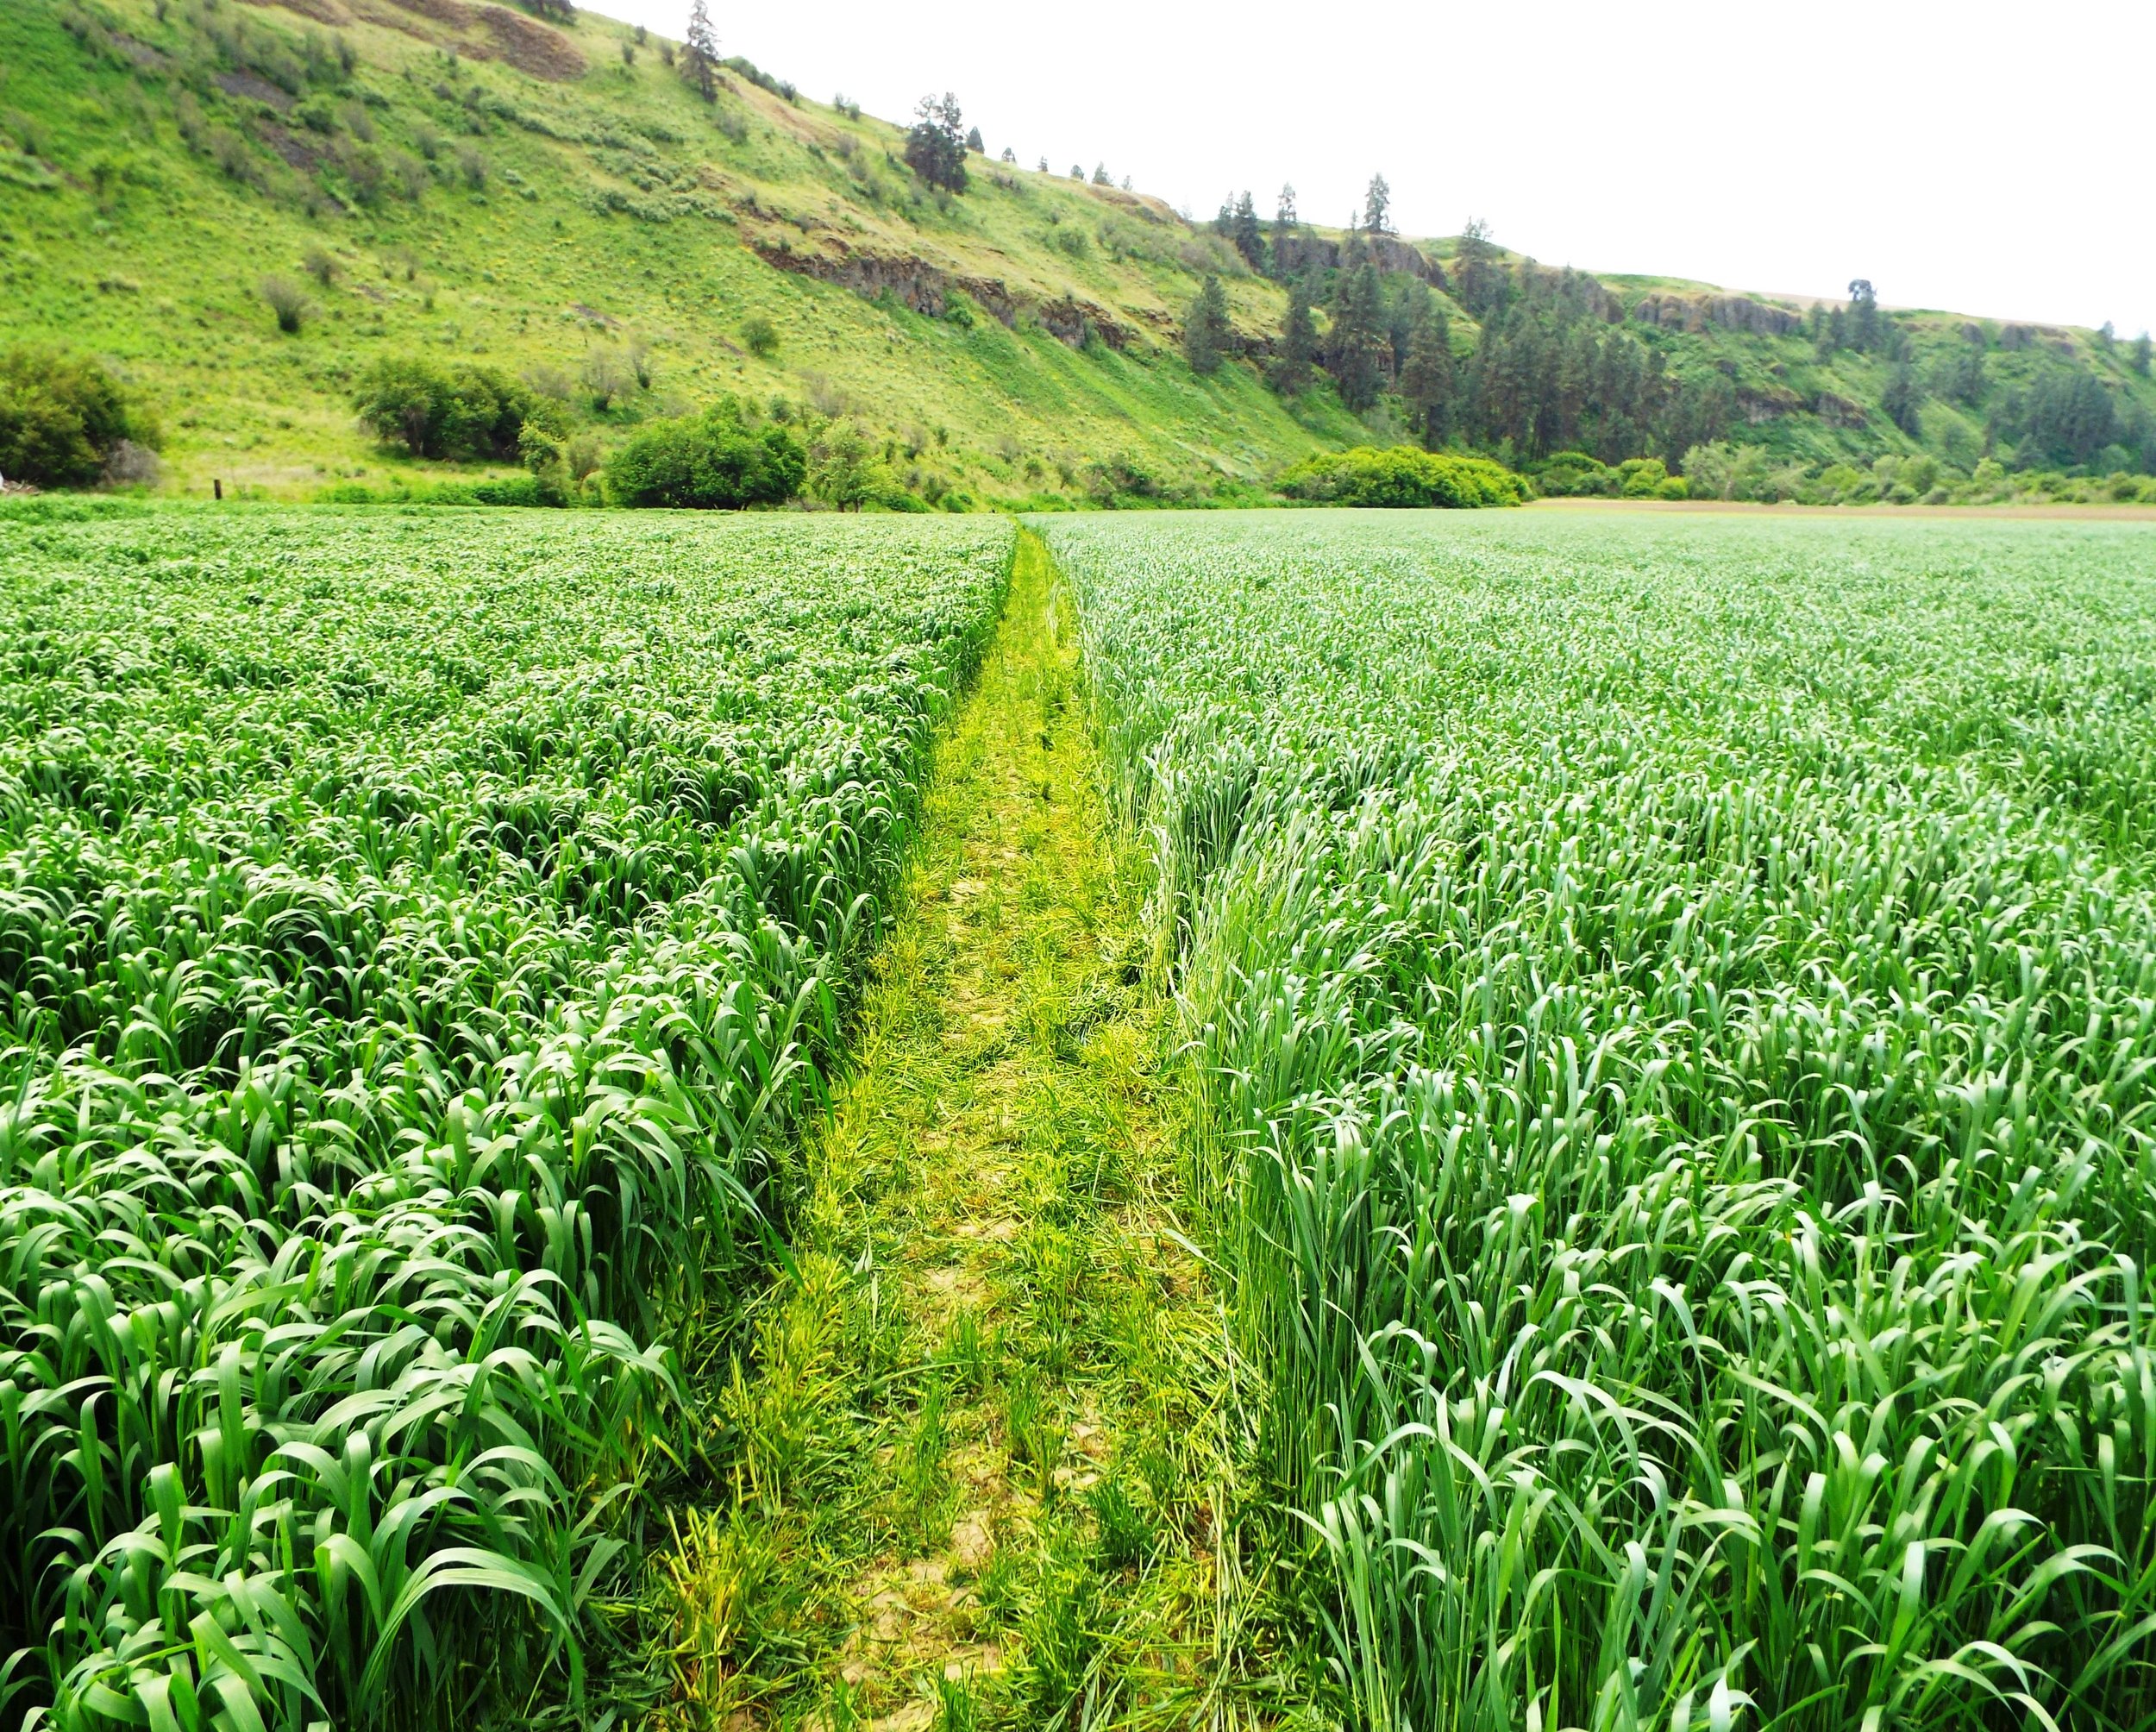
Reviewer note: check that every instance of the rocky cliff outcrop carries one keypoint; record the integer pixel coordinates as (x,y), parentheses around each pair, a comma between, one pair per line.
(929,290)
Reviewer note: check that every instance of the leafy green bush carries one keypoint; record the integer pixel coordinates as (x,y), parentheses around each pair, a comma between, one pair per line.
(463,413)
(1402,477)
(713,461)
(62,419)
(1575,474)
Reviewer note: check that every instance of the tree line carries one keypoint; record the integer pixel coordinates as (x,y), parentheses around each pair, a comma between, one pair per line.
(1553,371)
(1548,374)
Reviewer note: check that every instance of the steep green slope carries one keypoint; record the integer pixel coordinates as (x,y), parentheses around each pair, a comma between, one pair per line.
(459,179)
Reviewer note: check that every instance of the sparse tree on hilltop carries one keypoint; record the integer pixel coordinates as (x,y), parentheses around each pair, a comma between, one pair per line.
(1377,206)
(1243,231)
(1205,328)
(936,144)
(699,52)
(1863,314)
(1100,175)
(1285,225)
(2139,354)
(973,143)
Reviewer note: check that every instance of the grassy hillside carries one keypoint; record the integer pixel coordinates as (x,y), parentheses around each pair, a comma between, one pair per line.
(478,184)
(458,179)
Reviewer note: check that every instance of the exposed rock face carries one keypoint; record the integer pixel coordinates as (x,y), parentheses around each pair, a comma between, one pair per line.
(1770,404)
(1673,311)
(2028,335)
(250,87)
(1838,411)
(927,289)
(1387,252)
(485,32)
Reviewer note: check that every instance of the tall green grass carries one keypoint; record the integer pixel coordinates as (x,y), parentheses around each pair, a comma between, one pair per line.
(415,931)
(1678,1005)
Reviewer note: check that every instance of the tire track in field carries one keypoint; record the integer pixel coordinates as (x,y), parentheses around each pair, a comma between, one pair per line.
(979,1451)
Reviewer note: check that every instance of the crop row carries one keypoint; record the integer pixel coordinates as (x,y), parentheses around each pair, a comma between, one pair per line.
(1677,1004)
(414,932)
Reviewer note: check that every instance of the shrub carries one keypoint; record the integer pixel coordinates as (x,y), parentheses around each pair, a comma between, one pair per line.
(715,460)
(463,412)
(848,471)
(1112,479)
(761,336)
(1575,474)
(62,421)
(1401,476)
(287,302)
(129,465)
(607,376)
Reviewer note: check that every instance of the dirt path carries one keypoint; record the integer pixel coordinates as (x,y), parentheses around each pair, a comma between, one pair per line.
(978,1459)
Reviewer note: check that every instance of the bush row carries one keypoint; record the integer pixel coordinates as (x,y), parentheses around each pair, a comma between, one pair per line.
(1403,476)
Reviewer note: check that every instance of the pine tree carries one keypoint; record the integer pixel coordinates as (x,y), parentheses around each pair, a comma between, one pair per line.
(973,143)
(1285,225)
(1358,347)
(1205,328)
(1298,350)
(1249,241)
(1428,381)
(699,53)
(1900,398)
(935,146)
(2140,354)
(1377,206)
(1863,314)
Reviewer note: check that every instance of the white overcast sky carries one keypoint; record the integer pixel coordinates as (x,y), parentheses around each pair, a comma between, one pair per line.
(1961,155)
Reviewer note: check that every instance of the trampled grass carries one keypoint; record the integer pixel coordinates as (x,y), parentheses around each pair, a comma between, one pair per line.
(982,1478)
(1675,1001)
(416,931)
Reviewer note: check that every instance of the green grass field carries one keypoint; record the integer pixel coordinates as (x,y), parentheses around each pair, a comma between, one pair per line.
(1308,1120)
(1673,1002)
(419,933)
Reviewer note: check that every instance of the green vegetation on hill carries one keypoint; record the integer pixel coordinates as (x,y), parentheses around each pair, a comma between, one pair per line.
(468,183)
(242,210)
